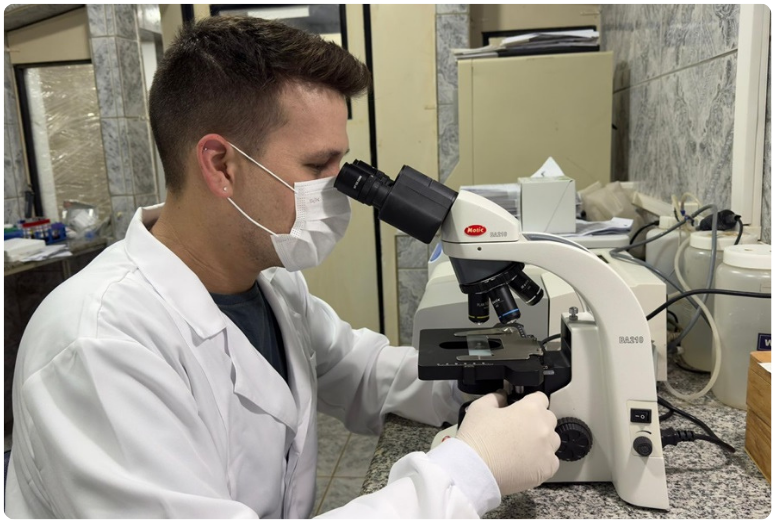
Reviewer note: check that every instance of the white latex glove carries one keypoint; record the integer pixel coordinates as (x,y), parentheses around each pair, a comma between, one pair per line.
(517,442)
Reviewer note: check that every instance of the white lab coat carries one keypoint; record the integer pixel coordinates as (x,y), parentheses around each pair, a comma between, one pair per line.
(134,396)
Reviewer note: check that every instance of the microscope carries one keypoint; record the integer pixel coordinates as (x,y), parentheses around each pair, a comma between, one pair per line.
(600,379)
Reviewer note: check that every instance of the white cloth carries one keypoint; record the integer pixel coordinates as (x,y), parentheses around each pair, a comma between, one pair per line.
(134,397)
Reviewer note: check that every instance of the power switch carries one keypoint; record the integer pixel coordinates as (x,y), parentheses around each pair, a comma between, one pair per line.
(640,416)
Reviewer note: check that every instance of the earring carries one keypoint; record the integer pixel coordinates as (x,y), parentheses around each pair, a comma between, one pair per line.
(224,189)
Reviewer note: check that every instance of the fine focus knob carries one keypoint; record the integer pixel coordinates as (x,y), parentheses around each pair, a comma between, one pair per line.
(575,439)
(642,446)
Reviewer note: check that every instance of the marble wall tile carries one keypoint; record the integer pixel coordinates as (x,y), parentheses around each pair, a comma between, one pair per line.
(132,90)
(767,175)
(149,17)
(643,132)
(9,178)
(411,286)
(106,76)
(11,210)
(123,210)
(110,19)
(445,9)
(451,33)
(449,140)
(96,16)
(146,200)
(696,32)
(614,39)
(113,161)
(126,156)
(9,104)
(126,24)
(411,253)
(637,50)
(697,108)
(142,163)
(608,32)
(632,32)
(17,159)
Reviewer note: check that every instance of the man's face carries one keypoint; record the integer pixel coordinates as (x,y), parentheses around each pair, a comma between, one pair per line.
(309,145)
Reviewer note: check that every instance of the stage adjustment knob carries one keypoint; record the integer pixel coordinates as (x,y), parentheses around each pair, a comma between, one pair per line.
(642,446)
(575,439)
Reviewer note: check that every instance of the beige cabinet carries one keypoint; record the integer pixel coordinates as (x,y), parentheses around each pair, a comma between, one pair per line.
(515,112)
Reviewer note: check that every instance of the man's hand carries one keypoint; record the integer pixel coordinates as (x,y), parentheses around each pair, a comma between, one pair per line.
(517,442)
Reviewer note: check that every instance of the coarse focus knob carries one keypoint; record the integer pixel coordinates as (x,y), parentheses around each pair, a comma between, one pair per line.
(575,439)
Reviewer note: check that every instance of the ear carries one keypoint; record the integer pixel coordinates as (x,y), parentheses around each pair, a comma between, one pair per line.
(216,163)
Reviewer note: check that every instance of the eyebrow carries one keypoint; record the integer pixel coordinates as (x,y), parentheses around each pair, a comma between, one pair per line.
(331,153)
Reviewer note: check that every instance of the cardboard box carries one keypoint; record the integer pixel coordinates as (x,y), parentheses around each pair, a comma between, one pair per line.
(758,423)
(548,204)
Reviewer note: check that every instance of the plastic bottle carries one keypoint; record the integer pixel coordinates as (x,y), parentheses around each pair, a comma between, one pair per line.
(661,253)
(744,324)
(695,263)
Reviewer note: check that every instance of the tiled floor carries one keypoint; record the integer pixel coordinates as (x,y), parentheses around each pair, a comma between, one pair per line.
(343,460)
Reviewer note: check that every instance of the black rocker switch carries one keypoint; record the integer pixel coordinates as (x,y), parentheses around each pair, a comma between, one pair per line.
(640,416)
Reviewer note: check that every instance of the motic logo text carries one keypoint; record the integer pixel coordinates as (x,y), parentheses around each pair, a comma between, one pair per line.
(475,230)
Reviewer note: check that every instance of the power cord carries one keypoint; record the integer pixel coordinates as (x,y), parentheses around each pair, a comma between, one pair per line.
(671,436)
(727,292)
(550,338)
(651,224)
(740,231)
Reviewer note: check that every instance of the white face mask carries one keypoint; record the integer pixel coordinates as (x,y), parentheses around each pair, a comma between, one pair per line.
(322,216)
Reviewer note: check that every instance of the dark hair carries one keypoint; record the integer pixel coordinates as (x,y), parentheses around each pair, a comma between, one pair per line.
(223,75)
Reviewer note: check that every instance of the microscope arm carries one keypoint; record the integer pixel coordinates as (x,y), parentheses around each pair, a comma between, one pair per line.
(625,341)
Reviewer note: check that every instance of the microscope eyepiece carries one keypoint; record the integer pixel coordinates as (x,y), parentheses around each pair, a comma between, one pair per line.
(413,202)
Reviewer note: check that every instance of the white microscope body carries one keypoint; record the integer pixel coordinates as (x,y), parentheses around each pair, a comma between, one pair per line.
(612,388)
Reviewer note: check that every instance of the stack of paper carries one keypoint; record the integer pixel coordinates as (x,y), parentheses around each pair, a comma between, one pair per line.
(16,249)
(50,251)
(612,226)
(507,195)
(535,43)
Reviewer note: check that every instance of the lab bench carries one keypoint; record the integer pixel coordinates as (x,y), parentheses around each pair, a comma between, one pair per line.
(77,249)
(703,481)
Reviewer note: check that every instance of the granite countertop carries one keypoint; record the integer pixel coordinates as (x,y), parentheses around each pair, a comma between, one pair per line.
(703,481)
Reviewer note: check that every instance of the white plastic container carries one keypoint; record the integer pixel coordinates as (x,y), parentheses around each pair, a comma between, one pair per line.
(695,263)
(661,253)
(744,324)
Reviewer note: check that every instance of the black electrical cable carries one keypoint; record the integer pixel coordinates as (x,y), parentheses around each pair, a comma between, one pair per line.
(671,436)
(740,232)
(674,315)
(696,421)
(711,436)
(550,338)
(668,303)
(726,446)
(652,224)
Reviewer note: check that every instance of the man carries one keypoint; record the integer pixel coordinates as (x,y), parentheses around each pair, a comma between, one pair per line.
(178,375)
